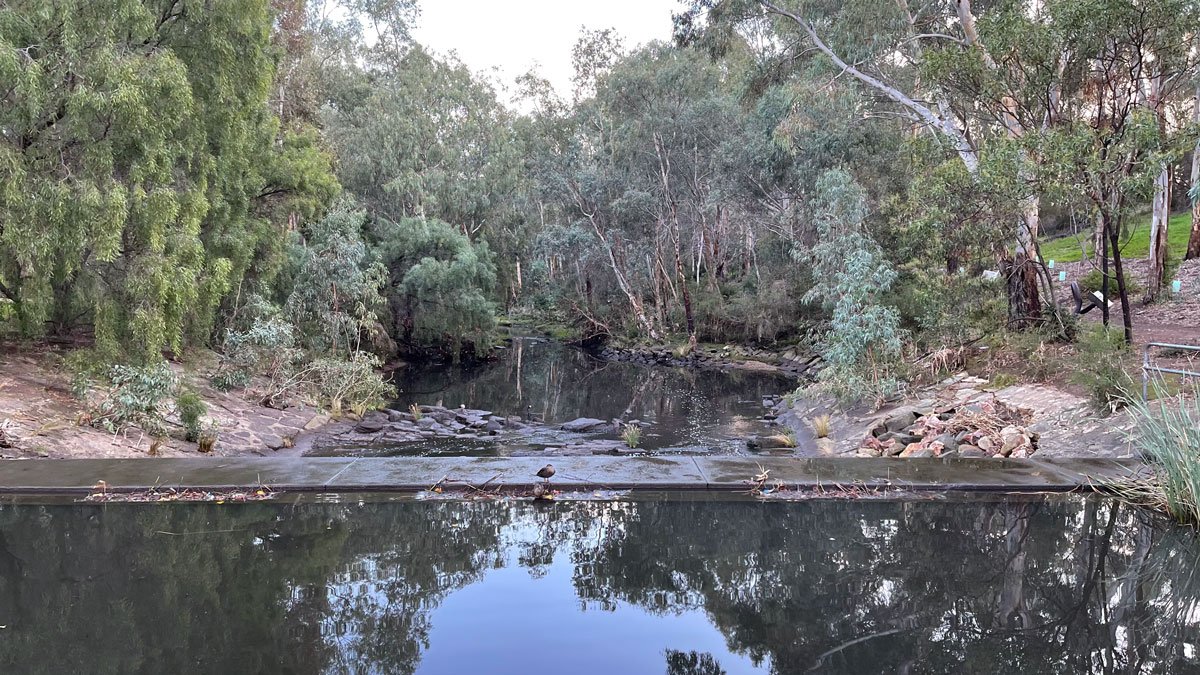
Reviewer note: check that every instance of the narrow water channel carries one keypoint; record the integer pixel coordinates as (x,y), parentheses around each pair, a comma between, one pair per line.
(685,410)
(677,587)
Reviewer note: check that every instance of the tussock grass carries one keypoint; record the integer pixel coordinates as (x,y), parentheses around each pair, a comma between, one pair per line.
(822,425)
(1168,435)
(632,435)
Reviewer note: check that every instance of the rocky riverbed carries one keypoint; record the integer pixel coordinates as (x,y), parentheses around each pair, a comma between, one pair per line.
(437,430)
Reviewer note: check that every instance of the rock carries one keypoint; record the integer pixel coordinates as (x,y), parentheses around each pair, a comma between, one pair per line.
(901,437)
(273,442)
(949,442)
(426,423)
(870,452)
(318,420)
(584,424)
(917,450)
(494,427)
(775,442)
(970,451)
(514,419)
(370,426)
(397,416)
(986,444)
(900,421)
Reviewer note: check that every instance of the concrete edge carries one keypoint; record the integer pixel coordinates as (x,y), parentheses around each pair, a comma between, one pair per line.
(651,474)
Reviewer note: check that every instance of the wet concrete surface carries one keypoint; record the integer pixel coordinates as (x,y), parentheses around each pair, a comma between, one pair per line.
(413,474)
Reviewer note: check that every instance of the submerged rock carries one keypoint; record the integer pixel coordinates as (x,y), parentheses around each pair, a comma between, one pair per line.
(584,424)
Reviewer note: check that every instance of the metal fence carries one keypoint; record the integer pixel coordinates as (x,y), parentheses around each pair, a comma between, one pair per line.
(1148,368)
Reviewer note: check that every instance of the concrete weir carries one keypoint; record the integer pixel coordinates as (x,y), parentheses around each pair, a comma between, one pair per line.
(408,474)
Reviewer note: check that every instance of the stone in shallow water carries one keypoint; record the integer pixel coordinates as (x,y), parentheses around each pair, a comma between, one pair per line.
(584,424)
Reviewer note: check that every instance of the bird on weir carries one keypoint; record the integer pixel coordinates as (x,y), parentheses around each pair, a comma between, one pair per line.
(546,472)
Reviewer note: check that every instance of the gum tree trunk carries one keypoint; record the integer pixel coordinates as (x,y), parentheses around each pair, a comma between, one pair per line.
(1193,247)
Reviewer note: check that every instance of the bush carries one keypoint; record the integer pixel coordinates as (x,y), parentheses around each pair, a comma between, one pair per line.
(1092,281)
(191,409)
(1100,368)
(354,385)
(135,396)
(863,344)
(266,347)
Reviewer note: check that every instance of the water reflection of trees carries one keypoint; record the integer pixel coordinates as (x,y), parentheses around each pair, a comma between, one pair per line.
(865,587)
(556,383)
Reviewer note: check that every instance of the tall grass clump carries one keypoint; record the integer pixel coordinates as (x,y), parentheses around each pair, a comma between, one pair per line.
(1168,435)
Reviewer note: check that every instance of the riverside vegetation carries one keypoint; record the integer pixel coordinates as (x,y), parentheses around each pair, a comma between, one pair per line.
(310,198)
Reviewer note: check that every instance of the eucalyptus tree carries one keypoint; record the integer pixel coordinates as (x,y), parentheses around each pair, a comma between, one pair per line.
(138,172)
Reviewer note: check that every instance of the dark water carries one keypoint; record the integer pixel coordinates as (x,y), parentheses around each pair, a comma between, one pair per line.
(674,587)
(554,383)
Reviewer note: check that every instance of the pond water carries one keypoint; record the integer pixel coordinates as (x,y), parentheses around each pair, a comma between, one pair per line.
(688,410)
(671,586)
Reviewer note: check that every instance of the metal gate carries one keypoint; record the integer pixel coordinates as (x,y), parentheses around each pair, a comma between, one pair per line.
(1148,368)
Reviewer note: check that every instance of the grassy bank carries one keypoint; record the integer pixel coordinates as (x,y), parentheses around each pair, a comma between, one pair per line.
(1070,248)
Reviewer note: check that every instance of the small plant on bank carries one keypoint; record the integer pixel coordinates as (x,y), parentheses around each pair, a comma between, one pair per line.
(415,411)
(822,425)
(1100,369)
(191,409)
(207,441)
(631,434)
(135,396)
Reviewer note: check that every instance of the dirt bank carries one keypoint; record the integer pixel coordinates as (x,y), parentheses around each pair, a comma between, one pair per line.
(43,417)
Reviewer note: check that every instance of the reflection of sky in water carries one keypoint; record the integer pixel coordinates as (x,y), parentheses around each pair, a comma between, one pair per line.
(516,622)
(1061,586)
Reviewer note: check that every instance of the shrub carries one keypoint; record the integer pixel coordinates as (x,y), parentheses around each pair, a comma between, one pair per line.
(353,384)
(863,344)
(135,396)
(1092,282)
(822,425)
(1100,368)
(191,409)
(631,434)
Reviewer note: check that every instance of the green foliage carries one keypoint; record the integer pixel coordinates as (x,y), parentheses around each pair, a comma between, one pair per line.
(137,166)
(191,409)
(1168,433)
(1100,368)
(136,396)
(851,276)
(335,292)
(631,434)
(267,347)
(353,384)
(439,284)
(1093,281)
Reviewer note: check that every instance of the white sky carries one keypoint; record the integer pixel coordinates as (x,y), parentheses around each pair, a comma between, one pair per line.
(515,35)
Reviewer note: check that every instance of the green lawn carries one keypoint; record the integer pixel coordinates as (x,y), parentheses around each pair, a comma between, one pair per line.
(1137,244)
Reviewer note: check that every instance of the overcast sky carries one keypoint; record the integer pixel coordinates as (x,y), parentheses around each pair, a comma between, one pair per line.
(514,35)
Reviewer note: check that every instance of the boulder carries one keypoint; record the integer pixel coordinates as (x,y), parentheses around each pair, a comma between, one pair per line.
(949,442)
(970,451)
(426,423)
(494,427)
(917,450)
(584,424)
(900,421)
(371,426)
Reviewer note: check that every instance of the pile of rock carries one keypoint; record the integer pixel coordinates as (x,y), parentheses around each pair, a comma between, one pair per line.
(800,364)
(434,421)
(981,429)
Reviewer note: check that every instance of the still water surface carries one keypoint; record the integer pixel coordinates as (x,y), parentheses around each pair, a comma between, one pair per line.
(675,587)
(688,409)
